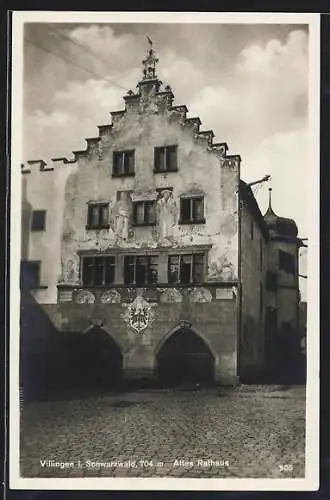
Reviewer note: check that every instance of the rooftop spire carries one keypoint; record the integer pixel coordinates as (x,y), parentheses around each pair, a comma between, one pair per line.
(270,212)
(149,63)
(270,199)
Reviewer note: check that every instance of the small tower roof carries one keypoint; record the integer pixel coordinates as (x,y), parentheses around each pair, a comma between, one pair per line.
(270,213)
(282,226)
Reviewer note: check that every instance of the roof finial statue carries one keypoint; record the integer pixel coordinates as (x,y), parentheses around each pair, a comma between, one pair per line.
(150,62)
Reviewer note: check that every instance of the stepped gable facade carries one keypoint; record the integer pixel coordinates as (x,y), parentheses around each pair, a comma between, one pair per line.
(150,236)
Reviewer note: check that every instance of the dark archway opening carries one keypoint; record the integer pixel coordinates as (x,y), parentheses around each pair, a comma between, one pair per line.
(184,358)
(99,361)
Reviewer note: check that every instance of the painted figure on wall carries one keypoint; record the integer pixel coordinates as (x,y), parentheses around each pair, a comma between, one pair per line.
(166,214)
(122,215)
(70,270)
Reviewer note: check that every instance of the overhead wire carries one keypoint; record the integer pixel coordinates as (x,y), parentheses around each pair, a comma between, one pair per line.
(75,64)
(83,47)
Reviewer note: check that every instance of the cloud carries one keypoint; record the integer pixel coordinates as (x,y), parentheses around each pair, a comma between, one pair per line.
(186,78)
(89,94)
(54,119)
(102,39)
(276,62)
(77,110)
(115,50)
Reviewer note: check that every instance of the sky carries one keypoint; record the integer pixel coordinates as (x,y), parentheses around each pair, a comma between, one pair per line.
(249,83)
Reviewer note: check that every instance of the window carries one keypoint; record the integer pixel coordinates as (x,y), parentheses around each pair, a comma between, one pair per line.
(38,222)
(192,210)
(123,163)
(165,159)
(186,268)
(98,216)
(286,262)
(140,269)
(144,213)
(98,270)
(30,275)
(271,281)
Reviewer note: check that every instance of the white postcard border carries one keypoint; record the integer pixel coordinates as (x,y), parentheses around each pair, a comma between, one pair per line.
(311,480)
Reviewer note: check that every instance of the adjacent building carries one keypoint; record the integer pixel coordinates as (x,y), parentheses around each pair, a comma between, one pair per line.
(147,256)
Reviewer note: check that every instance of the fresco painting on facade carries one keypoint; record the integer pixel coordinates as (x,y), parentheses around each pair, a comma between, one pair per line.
(84,297)
(167,214)
(110,297)
(122,216)
(169,295)
(200,295)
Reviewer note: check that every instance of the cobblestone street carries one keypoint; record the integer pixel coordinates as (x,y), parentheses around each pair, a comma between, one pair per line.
(244,432)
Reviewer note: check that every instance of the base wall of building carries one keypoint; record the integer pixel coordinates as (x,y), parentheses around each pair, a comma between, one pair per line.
(64,324)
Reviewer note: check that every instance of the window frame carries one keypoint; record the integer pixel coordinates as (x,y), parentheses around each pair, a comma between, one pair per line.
(123,153)
(166,149)
(99,205)
(38,280)
(147,280)
(104,257)
(192,200)
(35,227)
(192,279)
(282,254)
(151,203)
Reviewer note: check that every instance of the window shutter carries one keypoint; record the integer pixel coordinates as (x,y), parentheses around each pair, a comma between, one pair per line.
(186,269)
(198,268)
(172,158)
(150,212)
(185,209)
(139,213)
(198,209)
(105,215)
(129,162)
(160,159)
(173,269)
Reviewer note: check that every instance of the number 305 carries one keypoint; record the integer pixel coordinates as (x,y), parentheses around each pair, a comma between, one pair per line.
(286,468)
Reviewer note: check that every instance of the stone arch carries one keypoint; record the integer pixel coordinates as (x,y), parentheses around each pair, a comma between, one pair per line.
(99,359)
(167,335)
(184,355)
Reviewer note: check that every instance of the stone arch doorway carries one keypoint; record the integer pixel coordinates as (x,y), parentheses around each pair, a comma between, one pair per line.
(100,360)
(184,358)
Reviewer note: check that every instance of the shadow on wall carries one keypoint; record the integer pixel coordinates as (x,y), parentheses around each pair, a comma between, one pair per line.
(44,361)
(285,357)
(61,365)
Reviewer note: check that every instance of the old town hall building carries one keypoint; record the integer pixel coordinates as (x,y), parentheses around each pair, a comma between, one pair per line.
(146,257)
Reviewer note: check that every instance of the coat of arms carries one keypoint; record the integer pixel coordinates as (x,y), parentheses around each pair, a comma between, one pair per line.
(138,314)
